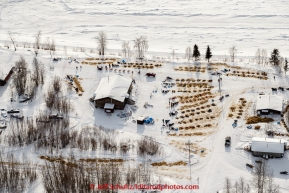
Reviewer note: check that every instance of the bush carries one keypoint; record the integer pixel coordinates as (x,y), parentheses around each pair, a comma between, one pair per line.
(257,119)
(148,146)
(257,127)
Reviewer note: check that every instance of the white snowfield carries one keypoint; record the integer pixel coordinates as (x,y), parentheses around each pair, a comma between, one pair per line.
(168,24)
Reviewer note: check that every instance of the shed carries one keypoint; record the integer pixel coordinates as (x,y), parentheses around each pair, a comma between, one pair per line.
(4,79)
(109,107)
(140,120)
(113,89)
(268,146)
(269,103)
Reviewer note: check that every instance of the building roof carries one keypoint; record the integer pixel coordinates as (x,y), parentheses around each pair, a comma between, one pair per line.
(141,118)
(268,145)
(115,86)
(108,106)
(272,102)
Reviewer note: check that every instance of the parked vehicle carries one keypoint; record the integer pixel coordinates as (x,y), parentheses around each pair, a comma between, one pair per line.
(227,141)
(249,127)
(150,74)
(169,78)
(13,111)
(284,172)
(225,70)
(258,161)
(55,116)
(249,165)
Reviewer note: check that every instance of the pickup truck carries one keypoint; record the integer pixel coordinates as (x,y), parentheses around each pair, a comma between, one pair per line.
(227,141)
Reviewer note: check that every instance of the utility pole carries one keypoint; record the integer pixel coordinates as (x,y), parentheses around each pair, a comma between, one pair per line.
(219,80)
(189,144)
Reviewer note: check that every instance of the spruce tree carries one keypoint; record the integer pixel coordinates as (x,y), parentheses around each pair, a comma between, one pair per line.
(196,53)
(286,66)
(275,57)
(208,54)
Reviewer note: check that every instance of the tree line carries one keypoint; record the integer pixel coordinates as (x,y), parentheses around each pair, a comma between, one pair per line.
(262,181)
(141,45)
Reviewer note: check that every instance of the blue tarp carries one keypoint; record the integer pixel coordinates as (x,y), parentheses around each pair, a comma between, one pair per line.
(149,120)
(123,61)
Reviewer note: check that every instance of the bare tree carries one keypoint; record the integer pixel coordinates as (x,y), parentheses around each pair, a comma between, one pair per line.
(285,65)
(258,56)
(263,178)
(38,72)
(25,44)
(37,42)
(65,51)
(20,76)
(57,84)
(126,49)
(102,43)
(247,188)
(141,46)
(173,54)
(233,53)
(281,64)
(270,186)
(242,185)
(50,46)
(12,39)
(236,187)
(228,185)
(189,53)
(17,176)
(148,146)
(264,56)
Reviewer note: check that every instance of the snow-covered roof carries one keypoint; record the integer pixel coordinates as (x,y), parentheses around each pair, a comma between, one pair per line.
(108,106)
(269,145)
(272,102)
(115,86)
(141,118)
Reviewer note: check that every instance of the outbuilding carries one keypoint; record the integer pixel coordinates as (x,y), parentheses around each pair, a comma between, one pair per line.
(113,92)
(109,107)
(4,79)
(269,104)
(268,147)
(140,120)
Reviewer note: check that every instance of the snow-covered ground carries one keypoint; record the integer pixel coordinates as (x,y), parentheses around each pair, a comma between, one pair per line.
(209,170)
(168,25)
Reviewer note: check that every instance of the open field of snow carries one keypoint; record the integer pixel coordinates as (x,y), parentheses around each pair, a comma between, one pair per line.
(168,24)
